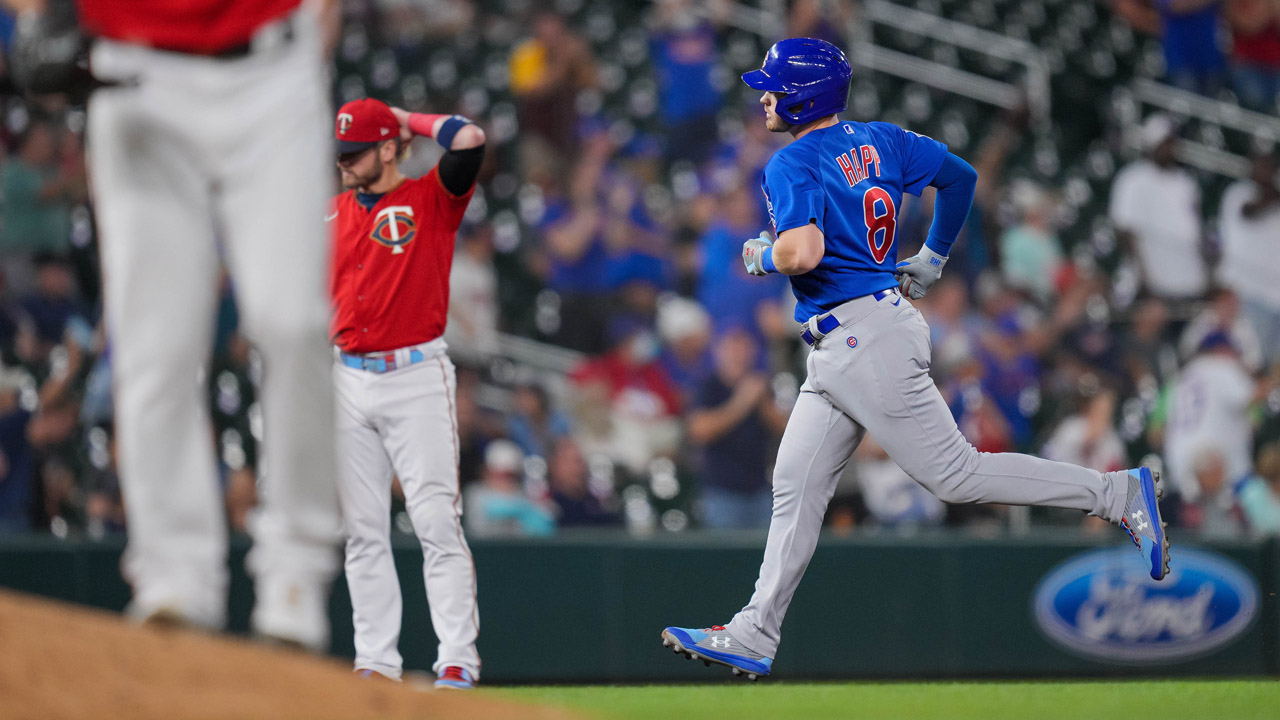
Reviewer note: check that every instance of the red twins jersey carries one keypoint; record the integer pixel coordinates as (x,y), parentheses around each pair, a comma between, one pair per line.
(195,26)
(390,267)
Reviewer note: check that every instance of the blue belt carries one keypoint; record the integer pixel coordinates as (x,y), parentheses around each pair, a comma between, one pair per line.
(378,362)
(829,322)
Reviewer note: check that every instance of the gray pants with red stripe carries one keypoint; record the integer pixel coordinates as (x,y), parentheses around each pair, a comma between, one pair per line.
(403,423)
(871,374)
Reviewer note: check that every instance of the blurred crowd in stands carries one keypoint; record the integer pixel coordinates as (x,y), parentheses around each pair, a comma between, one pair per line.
(662,374)
(1212,45)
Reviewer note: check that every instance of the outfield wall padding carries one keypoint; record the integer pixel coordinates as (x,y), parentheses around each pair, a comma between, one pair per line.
(591,607)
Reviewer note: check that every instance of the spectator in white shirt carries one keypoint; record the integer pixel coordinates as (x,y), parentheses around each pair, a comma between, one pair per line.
(1089,438)
(1209,412)
(1215,510)
(891,496)
(1155,206)
(1249,224)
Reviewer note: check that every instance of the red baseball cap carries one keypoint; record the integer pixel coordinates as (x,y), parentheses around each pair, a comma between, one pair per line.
(363,123)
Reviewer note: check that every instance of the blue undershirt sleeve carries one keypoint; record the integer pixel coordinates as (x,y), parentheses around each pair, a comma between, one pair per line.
(955,181)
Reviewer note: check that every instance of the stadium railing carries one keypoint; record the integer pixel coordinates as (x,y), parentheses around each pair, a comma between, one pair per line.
(1001,93)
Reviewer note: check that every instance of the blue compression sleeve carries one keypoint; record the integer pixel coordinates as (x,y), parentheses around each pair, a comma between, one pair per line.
(955,182)
(766,261)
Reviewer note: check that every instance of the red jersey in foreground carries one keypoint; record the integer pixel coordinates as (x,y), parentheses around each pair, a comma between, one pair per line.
(195,26)
(390,271)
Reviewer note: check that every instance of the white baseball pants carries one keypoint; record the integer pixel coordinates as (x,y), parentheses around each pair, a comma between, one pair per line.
(403,424)
(878,382)
(193,160)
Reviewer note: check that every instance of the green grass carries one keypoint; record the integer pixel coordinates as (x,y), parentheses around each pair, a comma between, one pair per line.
(1084,700)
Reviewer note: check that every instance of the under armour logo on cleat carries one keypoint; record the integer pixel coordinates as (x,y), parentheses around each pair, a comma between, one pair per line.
(1137,515)
(720,642)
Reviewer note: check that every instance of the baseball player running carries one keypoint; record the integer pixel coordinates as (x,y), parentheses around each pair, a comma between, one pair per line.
(205,147)
(393,246)
(833,196)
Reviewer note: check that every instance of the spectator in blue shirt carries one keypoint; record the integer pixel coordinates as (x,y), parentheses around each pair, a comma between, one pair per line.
(736,422)
(1189,32)
(729,294)
(576,269)
(1010,370)
(17,461)
(684,55)
(685,331)
(7,22)
(53,303)
(533,424)
(1193,59)
(577,255)
(571,492)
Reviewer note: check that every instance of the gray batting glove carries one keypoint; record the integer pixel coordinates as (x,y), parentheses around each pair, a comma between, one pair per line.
(752,250)
(920,271)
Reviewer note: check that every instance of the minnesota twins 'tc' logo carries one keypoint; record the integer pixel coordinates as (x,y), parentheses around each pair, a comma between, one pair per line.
(394,228)
(344,123)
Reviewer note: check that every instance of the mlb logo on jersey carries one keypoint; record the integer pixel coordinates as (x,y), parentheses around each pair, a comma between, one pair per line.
(394,227)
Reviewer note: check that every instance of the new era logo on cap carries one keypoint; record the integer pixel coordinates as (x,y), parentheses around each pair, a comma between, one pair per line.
(363,123)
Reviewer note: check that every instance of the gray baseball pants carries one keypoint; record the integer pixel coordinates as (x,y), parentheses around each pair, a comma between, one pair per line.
(871,374)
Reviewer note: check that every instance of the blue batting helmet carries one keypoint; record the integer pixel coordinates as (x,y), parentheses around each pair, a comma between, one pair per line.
(814,74)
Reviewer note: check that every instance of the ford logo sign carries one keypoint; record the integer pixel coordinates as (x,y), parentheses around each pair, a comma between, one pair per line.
(1103,605)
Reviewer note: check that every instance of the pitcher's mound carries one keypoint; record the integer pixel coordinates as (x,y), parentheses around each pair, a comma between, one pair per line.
(60,661)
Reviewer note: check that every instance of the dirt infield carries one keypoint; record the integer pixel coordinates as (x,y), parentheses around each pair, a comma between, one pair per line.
(60,661)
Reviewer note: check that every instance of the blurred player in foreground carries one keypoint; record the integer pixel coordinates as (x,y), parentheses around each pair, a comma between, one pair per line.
(206,139)
(833,195)
(396,388)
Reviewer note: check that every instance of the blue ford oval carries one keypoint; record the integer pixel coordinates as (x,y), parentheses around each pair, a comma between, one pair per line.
(1103,605)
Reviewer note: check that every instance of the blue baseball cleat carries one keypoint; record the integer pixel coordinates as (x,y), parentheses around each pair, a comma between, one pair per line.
(1142,520)
(716,645)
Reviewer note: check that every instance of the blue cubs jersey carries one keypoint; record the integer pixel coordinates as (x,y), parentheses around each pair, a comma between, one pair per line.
(848,179)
